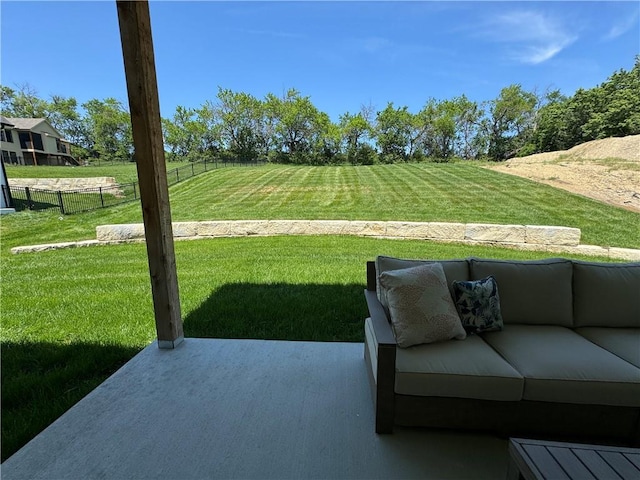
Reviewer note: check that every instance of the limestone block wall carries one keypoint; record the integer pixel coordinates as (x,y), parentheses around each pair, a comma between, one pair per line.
(66,184)
(550,239)
(472,232)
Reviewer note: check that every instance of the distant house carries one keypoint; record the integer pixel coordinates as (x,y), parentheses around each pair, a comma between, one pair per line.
(33,141)
(6,202)
(11,152)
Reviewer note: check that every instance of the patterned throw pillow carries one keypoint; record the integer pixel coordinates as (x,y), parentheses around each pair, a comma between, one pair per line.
(420,305)
(478,305)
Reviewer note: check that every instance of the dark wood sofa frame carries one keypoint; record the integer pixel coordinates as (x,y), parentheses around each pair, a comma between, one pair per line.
(524,418)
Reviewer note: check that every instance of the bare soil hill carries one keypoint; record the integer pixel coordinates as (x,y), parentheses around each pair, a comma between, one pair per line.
(607,170)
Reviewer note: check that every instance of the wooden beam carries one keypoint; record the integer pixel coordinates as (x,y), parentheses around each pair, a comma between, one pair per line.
(140,71)
(33,148)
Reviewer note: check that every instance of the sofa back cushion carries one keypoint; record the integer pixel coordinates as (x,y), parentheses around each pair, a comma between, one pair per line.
(453,270)
(537,292)
(606,294)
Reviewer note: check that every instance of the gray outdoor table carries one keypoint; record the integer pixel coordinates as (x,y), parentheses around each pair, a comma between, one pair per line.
(537,460)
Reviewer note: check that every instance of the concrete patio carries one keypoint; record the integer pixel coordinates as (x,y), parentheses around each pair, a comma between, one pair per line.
(245,409)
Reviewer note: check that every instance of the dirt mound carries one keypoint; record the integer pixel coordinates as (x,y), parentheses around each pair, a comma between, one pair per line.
(607,170)
(621,148)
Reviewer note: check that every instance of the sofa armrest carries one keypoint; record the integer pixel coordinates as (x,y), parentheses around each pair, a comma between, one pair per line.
(384,388)
(379,320)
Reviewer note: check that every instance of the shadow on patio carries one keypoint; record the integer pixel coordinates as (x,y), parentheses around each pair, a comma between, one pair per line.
(241,408)
(281,311)
(218,408)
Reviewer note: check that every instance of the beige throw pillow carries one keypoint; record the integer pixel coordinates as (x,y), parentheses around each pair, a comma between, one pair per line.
(420,305)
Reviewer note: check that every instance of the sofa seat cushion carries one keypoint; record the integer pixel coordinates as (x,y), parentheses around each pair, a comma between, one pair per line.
(467,369)
(606,294)
(623,342)
(532,292)
(561,366)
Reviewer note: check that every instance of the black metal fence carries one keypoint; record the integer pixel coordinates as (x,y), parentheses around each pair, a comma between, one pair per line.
(83,200)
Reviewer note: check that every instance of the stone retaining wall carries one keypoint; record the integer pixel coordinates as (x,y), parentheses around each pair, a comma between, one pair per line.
(65,184)
(476,232)
(551,239)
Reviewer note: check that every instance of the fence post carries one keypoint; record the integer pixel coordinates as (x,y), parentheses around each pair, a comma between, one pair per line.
(101,197)
(135,197)
(205,164)
(60,202)
(193,173)
(177,175)
(27,193)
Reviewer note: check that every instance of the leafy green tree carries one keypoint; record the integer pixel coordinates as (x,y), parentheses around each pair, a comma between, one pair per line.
(182,134)
(355,131)
(510,122)
(469,142)
(393,133)
(240,115)
(552,120)
(109,127)
(438,128)
(210,129)
(267,127)
(616,107)
(23,102)
(299,123)
(609,109)
(65,117)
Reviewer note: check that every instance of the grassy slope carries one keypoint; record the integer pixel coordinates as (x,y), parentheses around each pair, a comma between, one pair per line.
(417,192)
(72,317)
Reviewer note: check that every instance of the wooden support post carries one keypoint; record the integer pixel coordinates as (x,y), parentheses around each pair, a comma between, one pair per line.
(140,71)
(33,149)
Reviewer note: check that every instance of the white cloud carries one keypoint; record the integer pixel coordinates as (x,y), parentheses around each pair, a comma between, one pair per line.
(532,37)
(623,27)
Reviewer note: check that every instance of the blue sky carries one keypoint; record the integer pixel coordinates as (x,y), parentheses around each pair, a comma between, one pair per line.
(341,54)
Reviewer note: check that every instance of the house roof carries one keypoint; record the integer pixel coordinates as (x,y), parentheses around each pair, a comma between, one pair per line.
(31,123)
(26,123)
(5,121)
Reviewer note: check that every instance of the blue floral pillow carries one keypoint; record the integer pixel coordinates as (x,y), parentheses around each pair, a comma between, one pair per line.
(478,305)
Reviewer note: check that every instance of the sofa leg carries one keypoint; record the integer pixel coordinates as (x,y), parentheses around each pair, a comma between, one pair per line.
(385,389)
(384,425)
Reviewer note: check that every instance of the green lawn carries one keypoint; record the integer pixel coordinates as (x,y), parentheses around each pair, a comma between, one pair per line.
(70,318)
(460,192)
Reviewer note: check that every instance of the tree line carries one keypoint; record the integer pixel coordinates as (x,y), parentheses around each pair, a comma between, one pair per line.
(291,129)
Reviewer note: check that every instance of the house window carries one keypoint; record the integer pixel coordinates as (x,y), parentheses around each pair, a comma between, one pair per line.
(5,136)
(25,141)
(5,156)
(14,158)
(37,141)
(62,148)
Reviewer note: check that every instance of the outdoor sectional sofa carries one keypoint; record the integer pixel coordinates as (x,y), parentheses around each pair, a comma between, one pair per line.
(565,365)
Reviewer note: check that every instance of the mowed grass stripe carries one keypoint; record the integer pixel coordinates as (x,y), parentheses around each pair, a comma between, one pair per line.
(458,192)
(423,192)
